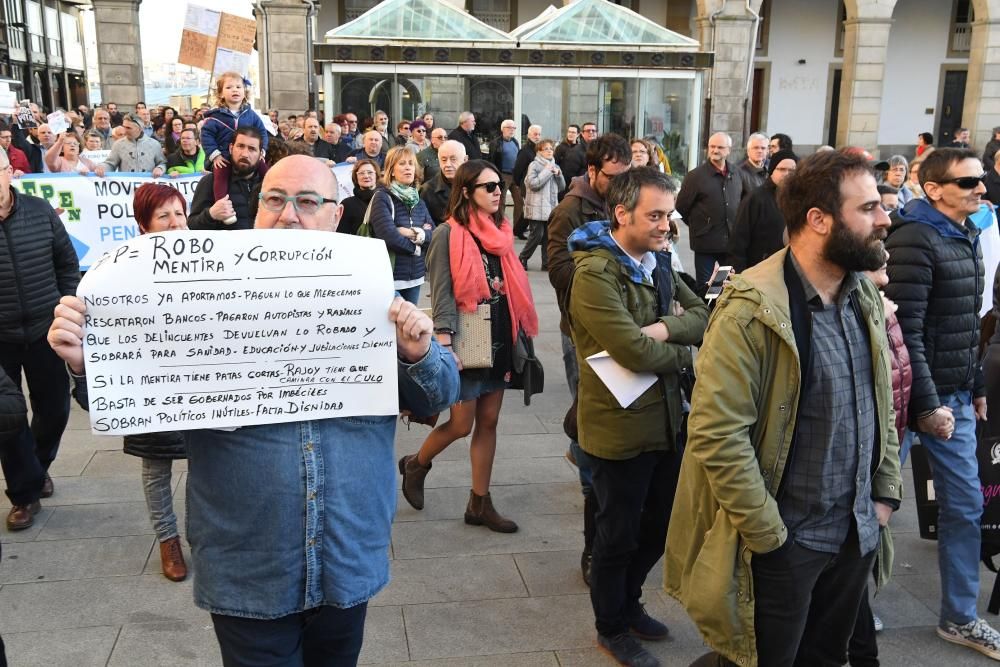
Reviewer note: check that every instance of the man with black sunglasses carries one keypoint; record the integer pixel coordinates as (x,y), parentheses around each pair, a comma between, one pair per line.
(936,278)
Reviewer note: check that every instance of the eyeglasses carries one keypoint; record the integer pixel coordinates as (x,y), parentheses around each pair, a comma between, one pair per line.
(965,182)
(406,128)
(889,209)
(420,129)
(303,203)
(490,187)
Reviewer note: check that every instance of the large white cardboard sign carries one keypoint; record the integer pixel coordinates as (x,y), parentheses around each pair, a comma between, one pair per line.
(192,330)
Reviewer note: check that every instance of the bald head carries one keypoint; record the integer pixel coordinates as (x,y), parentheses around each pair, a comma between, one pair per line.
(299,175)
(451,155)
(719,145)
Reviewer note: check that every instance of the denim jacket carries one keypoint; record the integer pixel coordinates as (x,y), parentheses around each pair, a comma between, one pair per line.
(287,517)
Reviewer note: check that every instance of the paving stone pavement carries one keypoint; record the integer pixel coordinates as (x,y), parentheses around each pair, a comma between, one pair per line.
(83,586)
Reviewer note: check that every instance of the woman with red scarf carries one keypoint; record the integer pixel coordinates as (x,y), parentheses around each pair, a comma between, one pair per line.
(471,262)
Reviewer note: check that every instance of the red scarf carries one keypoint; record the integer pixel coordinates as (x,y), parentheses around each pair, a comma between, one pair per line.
(468,276)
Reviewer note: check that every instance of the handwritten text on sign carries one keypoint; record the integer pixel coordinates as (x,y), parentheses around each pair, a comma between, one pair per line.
(219,329)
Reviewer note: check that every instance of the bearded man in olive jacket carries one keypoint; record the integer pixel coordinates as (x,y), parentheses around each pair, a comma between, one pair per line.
(794,394)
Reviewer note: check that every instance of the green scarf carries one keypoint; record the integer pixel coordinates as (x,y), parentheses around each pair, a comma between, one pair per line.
(406,193)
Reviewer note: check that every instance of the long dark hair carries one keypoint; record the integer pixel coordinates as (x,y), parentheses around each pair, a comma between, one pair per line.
(460,204)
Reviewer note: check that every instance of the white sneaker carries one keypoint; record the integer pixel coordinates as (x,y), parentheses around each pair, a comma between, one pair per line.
(977,634)
(879,625)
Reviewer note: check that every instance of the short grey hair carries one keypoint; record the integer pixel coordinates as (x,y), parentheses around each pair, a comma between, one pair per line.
(625,188)
(508,122)
(535,127)
(758,135)
(899,160)
(464,116)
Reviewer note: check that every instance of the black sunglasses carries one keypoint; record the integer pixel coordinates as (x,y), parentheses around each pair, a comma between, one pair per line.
(491,187)
(965,182)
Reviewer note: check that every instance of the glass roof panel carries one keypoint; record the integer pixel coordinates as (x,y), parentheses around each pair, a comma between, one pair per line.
(603,22)
(418,20)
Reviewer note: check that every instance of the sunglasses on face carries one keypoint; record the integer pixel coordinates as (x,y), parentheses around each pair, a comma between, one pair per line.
(490,187)
(965,182)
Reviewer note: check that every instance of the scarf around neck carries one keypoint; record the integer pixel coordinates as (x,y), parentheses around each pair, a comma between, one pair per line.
(406,193)
(468,275)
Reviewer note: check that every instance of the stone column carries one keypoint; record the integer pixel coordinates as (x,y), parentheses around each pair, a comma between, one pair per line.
(285,60)
(981,110)
(865,42)
(726,25)
(119,55)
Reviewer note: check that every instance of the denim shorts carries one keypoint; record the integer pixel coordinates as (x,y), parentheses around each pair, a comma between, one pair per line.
(476,384)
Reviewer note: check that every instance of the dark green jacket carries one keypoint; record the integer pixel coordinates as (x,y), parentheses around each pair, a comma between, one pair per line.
(607,310)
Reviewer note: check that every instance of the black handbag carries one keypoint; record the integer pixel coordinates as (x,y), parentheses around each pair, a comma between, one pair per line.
(527,373)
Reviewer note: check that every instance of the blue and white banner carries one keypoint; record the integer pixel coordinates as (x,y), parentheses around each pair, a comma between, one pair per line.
(97,211)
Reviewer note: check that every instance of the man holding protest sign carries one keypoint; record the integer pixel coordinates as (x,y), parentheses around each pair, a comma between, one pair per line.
(38,265)
(290,522)
(222,199)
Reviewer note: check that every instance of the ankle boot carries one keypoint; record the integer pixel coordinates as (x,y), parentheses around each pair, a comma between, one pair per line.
(480,512)
(413,480)
(172,560)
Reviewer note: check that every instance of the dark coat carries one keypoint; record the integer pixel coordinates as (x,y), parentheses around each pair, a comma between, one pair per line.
(989,154)
(428,160)
(409,257)
(240,193)
(436,193)
(362,155)
(525,157)
(992,183)
(936,278)
(708,202)
(34,152)
(354,211)
(580,205)
(324,150)
(754,176)
(38,266)
(496,153)
(759,231)
(572,159)
(167,445)
(471,145)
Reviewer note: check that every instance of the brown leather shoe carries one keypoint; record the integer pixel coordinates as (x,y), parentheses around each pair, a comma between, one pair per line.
(413,480)
(480,512)
(172,560)
(47,487)
(22,516)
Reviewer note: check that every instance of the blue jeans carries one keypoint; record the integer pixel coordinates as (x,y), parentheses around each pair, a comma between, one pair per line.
(324,637)
(704,264)
(411,294)
(960,499)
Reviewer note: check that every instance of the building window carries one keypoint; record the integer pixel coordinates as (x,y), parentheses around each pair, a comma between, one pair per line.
(495,13)
(355,8)
(841,30)
(763,27)
(960,39)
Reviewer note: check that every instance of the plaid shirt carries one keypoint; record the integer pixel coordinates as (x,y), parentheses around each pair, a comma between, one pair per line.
(828,482)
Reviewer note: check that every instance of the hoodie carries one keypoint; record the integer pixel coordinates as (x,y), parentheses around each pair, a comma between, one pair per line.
(936,278)
(580,205)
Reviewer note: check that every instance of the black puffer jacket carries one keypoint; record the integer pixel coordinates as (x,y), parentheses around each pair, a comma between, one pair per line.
(167,445)
(709,201)
(38,266)
(936,278)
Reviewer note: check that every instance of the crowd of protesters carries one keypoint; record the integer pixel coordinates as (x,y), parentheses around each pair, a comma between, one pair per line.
(765,454)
